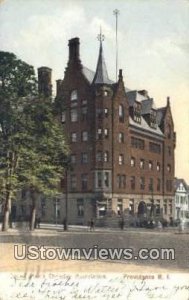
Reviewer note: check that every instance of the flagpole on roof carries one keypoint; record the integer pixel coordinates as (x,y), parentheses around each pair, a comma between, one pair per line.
(116,13)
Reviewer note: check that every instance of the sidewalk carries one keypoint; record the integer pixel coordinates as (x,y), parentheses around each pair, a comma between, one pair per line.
(54,229)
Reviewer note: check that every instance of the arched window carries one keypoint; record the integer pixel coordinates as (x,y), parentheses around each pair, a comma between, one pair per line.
(74,95)
(121,113)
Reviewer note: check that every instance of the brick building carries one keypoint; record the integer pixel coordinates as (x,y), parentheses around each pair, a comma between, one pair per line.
(121,146)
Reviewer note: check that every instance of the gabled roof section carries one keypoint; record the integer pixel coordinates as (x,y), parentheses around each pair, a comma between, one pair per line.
(160,115)
(101,74)
(178,182)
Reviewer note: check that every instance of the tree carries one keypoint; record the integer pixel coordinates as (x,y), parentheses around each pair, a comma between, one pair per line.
(32,144)
(17,80)
(44,162)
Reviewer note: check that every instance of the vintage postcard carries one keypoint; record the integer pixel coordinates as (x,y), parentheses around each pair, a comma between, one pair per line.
(94,149)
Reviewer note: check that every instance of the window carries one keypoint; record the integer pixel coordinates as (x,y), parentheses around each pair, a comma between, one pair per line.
(74,95)
(151,185)
(131,207)
(121,181)
(73,158)
(158,166)
(106,133)
(142,183)
(63,117)
(74,115)
(158,207)
(84,182)
(137,143)
(150,165)
(155,148)
(84,158)
(84,113)
(142,164)
(73,182)
(168,168)
(158,184)
(121,113)
(84,102)
(84,136)
(99,133)
(80,207)
(137,112)
(132,161)
(121,137)
(74,137)
(121,159)
(106,112)
(99,113)
(132,182)
(165,207)
(170,208)
(106,179)
(153,119)
(106,156)
(99,156)
(119,206)
(99,179)
(105,93)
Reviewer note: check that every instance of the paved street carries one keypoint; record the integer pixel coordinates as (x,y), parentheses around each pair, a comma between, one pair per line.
(107,239)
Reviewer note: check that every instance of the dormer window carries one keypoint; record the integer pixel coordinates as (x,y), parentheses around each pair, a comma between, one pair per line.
(153,123)
(137,112)
(74,95)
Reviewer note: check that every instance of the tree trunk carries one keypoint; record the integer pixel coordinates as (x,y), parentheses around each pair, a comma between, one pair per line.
(33,213)
(5,225)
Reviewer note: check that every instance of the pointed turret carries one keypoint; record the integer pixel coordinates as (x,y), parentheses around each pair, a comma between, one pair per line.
(101,74)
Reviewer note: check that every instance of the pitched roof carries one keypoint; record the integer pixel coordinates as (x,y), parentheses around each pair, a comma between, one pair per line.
(89,74)
(101,74)
(144,126)
(160,115)
(178,181)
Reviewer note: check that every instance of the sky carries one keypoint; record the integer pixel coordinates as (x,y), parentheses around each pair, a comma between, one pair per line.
(153,46)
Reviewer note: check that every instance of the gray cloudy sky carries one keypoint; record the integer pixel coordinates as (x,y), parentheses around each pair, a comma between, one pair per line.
(153,46)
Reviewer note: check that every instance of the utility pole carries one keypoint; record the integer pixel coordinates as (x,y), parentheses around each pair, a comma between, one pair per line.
(116,13)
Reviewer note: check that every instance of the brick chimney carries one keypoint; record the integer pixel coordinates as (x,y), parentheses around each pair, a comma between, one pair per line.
(74,50)
(58,86)
(44,81)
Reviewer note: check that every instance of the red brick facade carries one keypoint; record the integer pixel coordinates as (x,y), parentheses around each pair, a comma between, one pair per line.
(121,147)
